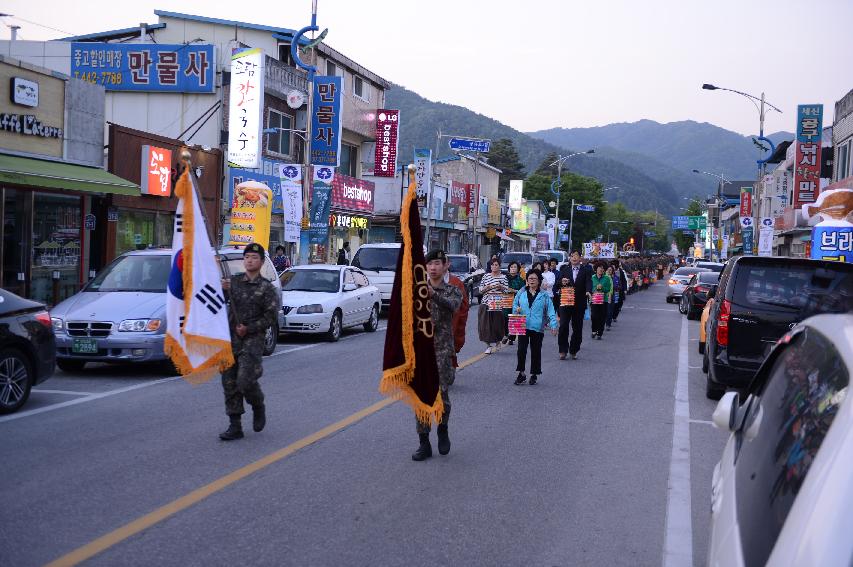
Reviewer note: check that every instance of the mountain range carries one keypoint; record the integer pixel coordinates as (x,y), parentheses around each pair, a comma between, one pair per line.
(647,164)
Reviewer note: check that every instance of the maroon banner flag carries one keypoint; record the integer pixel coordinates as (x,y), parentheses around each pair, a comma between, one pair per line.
(473,190)
(409,368)
(385,159)
(458,194)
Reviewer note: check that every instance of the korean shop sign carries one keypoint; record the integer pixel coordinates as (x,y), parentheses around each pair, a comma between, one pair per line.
(385,159)
(344,220)
(746,202)
(152,67)
(244,107)
(326,122)
(807,164)
(423,174)
(156,173)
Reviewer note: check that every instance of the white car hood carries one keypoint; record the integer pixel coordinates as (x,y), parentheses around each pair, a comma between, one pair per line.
(300,298)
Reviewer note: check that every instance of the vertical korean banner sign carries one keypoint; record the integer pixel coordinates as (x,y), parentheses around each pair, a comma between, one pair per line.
(385,159)
(807,164)
(516,188)
(245,102)
(326,122)
(423,174)
(321,205)
(291,196)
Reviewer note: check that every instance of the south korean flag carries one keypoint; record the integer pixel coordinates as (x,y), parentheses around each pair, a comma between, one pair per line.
(198,339)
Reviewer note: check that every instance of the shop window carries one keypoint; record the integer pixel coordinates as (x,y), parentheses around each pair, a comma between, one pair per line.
(56,247)
(278,142)
(16,207)
(137,230)
(349,160)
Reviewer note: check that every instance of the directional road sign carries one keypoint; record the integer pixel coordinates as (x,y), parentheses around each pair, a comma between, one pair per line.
(692,222)
(587,208)
(470,145)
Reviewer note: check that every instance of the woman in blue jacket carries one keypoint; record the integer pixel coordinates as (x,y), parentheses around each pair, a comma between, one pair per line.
(537,306)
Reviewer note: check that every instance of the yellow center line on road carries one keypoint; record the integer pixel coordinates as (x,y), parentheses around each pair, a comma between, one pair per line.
(152,518)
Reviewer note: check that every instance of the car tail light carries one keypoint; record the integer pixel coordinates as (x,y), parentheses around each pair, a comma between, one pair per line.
(723,323)
(43,317)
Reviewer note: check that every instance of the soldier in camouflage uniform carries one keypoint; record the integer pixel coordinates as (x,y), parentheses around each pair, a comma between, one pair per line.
(445,299)
(252,308)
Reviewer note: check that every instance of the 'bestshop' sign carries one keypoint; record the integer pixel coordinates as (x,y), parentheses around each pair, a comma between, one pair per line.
(385,159)
(351,194)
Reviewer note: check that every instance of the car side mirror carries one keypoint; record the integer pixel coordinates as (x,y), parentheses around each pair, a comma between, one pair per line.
(725,413)
(349,286)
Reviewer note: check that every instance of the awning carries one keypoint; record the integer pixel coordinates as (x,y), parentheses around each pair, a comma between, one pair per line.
(37,173)
(523,236)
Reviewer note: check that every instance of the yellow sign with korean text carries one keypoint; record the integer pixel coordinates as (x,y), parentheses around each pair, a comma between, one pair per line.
(251,212)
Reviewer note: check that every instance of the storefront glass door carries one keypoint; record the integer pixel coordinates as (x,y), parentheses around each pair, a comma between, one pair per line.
(55,247)
(16,217)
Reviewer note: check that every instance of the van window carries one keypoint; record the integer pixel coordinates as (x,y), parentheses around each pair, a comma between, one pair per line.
(798,289)
(377,259)
(798,404)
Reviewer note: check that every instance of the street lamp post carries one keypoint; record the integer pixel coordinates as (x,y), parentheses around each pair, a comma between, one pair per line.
(559,164)
(717,219)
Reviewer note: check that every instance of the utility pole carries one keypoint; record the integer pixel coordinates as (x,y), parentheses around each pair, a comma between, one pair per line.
(571,225)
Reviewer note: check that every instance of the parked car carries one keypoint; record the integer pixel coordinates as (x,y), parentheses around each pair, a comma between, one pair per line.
(695,295)
(703,325)
(325,298)
(27,349)
(467,268)
(781,493)
(120,316)
(379,264)
(758,300)
(678,281)
(560,255)
(526,259)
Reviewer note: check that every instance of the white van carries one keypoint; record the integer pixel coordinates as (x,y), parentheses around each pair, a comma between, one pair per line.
(379,264)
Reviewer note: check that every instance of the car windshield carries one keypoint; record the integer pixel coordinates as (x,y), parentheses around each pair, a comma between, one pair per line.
(522,258)
(798,288)
(458,264)
(376,259)
(134,273)
(327,281)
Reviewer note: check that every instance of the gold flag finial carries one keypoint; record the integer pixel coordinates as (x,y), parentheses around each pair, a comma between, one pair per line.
(186,157)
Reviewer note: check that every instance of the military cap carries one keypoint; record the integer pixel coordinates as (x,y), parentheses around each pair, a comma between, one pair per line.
(256,248)
(436,255)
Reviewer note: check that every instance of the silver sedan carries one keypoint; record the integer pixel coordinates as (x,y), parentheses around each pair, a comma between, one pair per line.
(678,282)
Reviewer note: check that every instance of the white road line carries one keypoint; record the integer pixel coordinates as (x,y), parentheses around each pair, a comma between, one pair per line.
(65,392)
(678,538)
(90,397)
(702,421)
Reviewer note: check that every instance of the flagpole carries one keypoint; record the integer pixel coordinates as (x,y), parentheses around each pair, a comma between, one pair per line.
(186,158)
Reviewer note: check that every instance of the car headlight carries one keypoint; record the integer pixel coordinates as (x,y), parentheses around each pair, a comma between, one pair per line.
(313,308)
(139,325)
(58,324)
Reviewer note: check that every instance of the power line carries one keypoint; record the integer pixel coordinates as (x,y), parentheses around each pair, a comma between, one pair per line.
(35,23)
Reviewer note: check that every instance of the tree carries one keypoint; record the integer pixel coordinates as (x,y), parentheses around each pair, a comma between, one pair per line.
(685,241)
(545,168)
(584,190)
(503,155)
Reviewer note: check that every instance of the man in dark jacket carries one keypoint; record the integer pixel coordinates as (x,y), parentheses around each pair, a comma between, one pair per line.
(579,277)
(343,255)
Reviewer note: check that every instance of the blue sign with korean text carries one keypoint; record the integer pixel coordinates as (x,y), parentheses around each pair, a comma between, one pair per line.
(748,241)
(237,176)
(809,123)
(679,222)
(586,208)
(326,122)
(321,207)
(470,145)
(153,67)
(833,242)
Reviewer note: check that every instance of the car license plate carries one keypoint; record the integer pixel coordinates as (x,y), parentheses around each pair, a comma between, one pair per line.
(84,346)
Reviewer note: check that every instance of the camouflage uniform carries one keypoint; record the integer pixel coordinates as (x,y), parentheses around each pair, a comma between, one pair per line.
(445,301)
(254,303)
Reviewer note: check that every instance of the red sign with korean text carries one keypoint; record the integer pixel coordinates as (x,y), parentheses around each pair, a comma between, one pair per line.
(807,164)
(156,171)
(351,194)
(458,194)
(473,190)
(385,158)
(745,202)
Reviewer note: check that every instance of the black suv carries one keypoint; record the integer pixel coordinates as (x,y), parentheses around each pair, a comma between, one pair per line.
(758,300)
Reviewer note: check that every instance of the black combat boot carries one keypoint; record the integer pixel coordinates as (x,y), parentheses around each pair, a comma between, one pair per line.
(259,418)
(424,451)
(520,379)
(443,440)
(533,379)
(234,431)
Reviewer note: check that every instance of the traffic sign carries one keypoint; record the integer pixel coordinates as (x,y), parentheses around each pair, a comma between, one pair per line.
(692,222)
(470,145)
(586,208)
(614,232)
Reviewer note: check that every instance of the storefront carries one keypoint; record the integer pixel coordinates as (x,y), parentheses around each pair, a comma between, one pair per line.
(351,216)
(48,183)
(146,218)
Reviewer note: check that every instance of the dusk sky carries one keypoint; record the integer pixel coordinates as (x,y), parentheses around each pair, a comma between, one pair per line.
(546,63)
